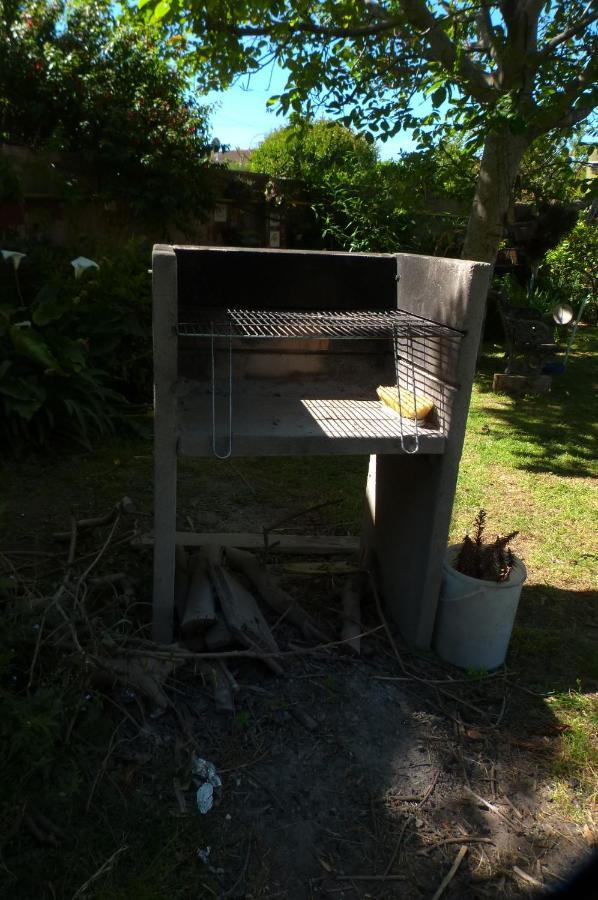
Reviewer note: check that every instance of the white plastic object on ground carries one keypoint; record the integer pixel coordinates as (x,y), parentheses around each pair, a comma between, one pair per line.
(205,776)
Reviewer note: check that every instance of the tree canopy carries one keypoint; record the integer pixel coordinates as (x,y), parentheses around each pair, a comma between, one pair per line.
(504,71)
(344,182)
(310,150)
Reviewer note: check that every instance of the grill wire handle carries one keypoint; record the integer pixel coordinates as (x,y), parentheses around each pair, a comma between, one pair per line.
(230,397)
(404,444)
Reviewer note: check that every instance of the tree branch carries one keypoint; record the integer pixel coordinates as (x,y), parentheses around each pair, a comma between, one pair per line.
(307,26)
(578,114)
(568,33)
(487,32)
(443,50)
(552,115)
(436,44)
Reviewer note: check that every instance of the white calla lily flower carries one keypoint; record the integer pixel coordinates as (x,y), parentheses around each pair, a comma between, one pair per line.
(81,264)
(15,256)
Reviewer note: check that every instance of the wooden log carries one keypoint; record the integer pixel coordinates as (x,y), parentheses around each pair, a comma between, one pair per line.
(218,637)
(351,628)
(271,593)
(200,607)
(243,616)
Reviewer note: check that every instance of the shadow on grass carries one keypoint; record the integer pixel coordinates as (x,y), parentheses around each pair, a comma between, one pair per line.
(555,638)
(555,433)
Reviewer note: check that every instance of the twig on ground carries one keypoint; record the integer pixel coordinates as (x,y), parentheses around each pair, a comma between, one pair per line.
(103,767)
(493,781)
(397,846)
(430,788)
(503,708)
(174,652)
(527,877)
(180,797)
(125,505)
(450,874)
(104,868)
(489,806)
(370,877)
(412,675)
(44,837)
(449,681)
(465,839)
(98,556)
(510,803)
(231,891)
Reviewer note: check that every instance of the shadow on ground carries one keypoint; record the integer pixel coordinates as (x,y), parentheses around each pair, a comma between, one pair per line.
(343,778)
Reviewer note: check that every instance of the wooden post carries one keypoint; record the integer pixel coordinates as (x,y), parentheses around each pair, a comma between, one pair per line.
(164,286)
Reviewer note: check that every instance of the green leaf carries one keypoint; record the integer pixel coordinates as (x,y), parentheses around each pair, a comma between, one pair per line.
(5,314)
(160,11)
(438,97)
(50,305)
(24,397)
(71,354)
(29,343)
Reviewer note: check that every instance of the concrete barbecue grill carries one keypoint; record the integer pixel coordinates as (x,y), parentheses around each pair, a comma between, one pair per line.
(281,352)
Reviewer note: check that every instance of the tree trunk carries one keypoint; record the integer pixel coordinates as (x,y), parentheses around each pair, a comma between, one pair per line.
(499,167)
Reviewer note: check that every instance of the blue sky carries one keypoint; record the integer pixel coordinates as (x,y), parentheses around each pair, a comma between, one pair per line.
(242,119)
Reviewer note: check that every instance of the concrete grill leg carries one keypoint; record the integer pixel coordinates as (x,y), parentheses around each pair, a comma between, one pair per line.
(410,499)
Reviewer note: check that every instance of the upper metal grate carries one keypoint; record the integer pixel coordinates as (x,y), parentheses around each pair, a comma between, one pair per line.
(337,324)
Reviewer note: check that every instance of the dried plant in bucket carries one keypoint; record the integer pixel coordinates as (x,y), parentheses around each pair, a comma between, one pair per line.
(488,561)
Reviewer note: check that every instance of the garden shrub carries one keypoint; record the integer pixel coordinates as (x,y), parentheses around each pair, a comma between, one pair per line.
(75,77)
(74,353)
(572,267)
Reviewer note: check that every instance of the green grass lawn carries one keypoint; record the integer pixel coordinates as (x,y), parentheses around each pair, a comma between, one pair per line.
(531,463)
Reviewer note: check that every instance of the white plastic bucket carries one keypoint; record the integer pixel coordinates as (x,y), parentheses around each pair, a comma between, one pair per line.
(475,618)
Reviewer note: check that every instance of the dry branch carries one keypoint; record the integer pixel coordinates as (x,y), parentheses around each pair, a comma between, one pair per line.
(174,652)
(528,878)
(145,675)
(105,867)
(450,874)
(125,505)
(465,839)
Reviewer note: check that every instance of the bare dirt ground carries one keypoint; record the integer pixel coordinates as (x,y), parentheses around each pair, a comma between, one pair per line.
(345,777)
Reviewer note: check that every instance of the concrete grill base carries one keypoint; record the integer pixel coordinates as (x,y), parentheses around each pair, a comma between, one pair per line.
(305,404)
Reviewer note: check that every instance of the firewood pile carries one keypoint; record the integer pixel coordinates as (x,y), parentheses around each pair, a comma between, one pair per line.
(221,593)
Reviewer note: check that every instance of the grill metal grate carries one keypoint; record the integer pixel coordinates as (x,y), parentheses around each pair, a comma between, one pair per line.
(337,324)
